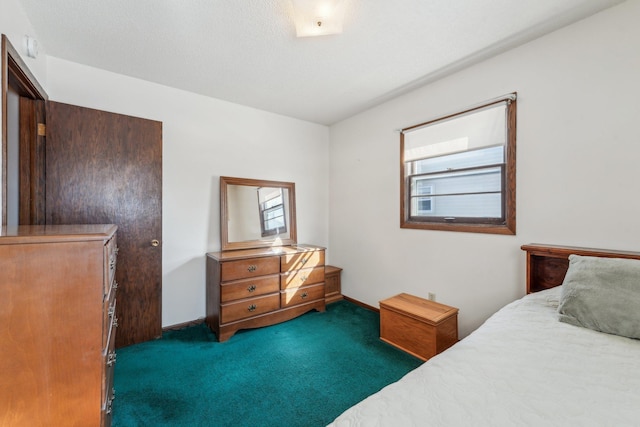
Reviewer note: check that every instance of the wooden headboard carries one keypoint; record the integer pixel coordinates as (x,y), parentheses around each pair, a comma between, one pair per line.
(547,264)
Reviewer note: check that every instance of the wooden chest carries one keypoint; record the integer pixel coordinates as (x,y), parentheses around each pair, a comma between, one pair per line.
(418,326)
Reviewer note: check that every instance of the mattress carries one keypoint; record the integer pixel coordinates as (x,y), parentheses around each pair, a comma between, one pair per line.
(522,367)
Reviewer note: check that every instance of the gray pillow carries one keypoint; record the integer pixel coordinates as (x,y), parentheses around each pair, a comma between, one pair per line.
(602,294)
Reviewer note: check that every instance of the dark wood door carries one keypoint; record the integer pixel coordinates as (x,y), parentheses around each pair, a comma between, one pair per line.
(107,168)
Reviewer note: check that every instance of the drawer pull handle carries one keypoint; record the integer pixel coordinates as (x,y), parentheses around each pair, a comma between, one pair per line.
(111,311)
(115,322)
(304,295)
(115,286)
(252,307)
(110,401)
(304,261)
(111,358)
(116,250)
(251,288)
(252,268)
(304,278)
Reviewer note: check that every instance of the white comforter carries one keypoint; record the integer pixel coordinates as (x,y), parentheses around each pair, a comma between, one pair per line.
(521,368)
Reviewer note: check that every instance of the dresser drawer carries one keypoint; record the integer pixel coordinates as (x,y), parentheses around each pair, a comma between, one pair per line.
(108,391)
(301,295)
(305,276)
(250,307)
(108,315)
(109,361)
(107,407)
(245,268)
(111,256)
(247,288)
(301,260)
(109,350)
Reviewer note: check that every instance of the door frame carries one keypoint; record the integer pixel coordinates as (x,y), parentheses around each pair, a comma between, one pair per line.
(15,73)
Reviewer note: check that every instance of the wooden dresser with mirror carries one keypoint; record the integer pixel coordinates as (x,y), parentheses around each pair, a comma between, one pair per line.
(262,276)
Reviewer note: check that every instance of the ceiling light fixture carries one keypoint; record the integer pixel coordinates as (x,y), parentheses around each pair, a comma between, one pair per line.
(318,17)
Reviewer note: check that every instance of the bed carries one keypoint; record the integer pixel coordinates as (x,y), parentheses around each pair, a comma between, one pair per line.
(525,367)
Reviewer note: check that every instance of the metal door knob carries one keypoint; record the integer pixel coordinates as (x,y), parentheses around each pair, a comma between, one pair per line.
(155,243)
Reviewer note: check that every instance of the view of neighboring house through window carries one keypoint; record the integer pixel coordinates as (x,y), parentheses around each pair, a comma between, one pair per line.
(272,216)
(459,170)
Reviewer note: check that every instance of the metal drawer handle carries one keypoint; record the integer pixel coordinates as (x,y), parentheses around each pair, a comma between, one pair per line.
(110,401)
(251,288)
(111,358)
(112,310)
(304,295)
(252,268)
(115,322)
(252,307)
(304,278)
(304,261)
(115,286)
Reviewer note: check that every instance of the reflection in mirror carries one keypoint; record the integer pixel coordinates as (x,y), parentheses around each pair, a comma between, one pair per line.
(273,218)
(256,213)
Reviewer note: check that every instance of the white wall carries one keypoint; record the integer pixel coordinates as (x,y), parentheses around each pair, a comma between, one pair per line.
(203,139)
(578,152)
(15,25)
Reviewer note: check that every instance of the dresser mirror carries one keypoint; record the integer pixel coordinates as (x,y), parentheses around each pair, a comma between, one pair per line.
(256,213)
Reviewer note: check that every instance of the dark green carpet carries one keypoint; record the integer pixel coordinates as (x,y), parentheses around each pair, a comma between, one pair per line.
(304,372)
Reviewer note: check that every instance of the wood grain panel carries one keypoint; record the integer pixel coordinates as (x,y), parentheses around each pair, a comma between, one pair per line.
(107,168)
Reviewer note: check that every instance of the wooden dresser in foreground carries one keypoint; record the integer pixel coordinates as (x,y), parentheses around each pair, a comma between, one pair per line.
(418,326)
(251,288)
(57,325)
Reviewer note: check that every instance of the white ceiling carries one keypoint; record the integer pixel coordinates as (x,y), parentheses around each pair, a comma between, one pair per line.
(246,51)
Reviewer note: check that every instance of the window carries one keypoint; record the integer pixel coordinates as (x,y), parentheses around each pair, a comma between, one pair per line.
(423,203)
(458,171)
(271,204)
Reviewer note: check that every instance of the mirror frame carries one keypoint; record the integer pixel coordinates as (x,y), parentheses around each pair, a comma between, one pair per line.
(225,244)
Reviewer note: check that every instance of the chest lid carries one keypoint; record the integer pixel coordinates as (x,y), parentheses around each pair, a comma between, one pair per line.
(419,308)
